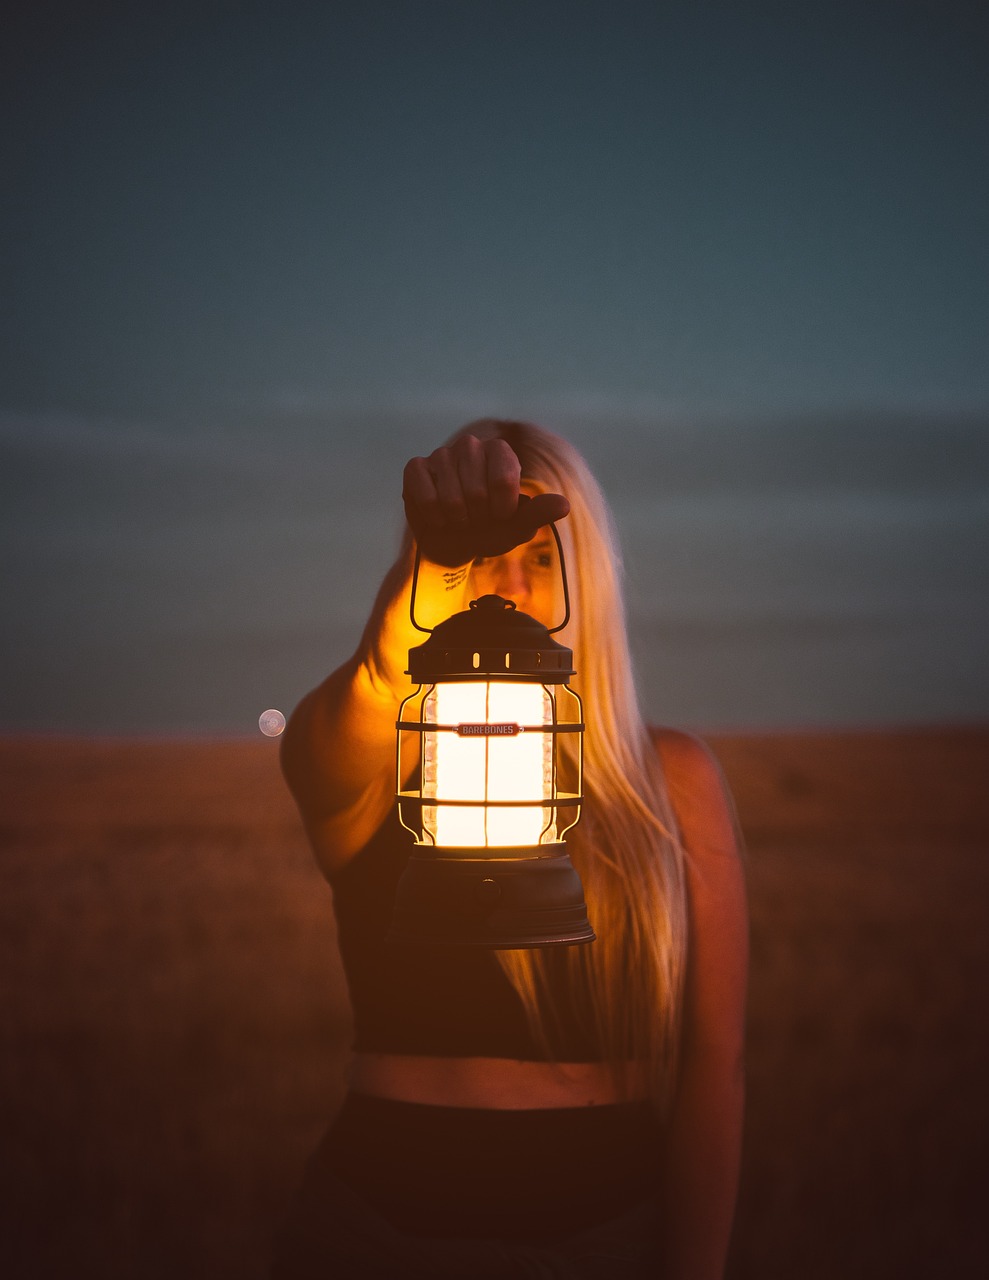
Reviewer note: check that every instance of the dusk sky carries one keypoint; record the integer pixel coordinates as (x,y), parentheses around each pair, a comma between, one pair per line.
(257,255)
(222,207)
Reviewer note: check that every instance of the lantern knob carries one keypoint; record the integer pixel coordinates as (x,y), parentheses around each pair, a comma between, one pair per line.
(492,604)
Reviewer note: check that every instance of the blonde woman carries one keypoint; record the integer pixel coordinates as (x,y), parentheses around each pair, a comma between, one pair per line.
(568,1112)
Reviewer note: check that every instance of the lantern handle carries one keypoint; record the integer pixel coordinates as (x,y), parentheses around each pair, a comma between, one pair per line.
(566,589)
(563,573)
(412,601)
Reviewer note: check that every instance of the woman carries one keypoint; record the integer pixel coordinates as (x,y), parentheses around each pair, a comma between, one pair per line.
(573,1111)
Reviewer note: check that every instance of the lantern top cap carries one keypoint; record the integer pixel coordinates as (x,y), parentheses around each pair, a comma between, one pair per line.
(491,638)
(494,620)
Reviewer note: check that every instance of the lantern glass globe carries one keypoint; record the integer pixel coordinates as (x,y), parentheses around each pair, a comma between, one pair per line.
(484,771)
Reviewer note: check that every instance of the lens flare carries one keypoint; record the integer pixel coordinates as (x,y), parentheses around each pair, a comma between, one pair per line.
(271,722)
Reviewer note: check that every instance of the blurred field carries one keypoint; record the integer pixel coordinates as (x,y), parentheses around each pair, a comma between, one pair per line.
(174,1021)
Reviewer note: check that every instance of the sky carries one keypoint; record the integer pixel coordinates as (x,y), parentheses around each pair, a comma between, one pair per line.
(684,207)
(255,255)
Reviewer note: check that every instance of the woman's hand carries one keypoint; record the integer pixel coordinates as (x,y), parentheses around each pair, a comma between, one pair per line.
(464,501)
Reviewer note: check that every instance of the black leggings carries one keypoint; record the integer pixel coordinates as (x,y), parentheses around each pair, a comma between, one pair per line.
(408,1190)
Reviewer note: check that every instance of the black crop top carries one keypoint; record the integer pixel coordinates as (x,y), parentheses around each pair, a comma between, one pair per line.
(438,1001)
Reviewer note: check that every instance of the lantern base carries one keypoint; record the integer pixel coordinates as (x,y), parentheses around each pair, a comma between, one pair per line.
(532,899)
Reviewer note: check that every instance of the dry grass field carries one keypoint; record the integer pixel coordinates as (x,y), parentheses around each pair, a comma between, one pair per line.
(174,1020)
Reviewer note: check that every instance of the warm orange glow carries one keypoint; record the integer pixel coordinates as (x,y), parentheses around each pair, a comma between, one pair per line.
(480,768)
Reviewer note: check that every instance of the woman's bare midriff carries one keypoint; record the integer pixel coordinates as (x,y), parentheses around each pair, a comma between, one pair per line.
(499,1084)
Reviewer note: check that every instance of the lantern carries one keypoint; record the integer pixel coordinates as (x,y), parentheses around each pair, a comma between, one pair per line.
(490,867)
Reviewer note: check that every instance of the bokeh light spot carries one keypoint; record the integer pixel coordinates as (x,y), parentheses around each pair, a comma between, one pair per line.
(271,722)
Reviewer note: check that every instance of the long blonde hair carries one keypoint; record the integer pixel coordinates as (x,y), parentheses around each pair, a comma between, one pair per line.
(628,985)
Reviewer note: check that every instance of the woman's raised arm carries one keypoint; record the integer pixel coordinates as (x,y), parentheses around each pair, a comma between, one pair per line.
(338,750)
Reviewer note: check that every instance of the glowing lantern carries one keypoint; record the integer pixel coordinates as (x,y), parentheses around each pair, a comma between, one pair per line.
(490,867)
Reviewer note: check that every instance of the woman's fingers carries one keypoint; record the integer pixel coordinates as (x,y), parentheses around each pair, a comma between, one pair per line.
(546,508)
(442,466)
(472,470)
(503,476)
(422,503)
(467,482)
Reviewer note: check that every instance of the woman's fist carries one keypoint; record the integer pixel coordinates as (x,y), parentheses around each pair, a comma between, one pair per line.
(465,501)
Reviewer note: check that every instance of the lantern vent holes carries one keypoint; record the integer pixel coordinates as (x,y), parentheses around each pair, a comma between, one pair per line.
(477,661)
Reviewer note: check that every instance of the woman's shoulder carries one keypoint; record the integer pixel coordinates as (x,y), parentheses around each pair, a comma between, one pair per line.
(697,790)
(684,756)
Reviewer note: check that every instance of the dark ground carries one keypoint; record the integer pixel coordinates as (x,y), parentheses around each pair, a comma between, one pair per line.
(174,1020)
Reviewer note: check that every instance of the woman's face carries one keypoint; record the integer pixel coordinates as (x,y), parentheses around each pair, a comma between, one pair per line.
(528,575)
